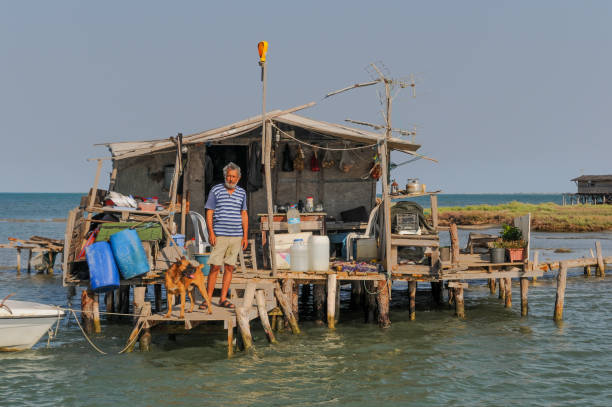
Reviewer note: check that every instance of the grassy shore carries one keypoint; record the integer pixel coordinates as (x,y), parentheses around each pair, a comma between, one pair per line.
(545,217)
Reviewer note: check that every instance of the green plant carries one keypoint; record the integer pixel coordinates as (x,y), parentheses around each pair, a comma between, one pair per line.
(511,233)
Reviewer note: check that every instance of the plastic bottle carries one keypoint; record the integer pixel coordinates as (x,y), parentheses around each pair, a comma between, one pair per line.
(298,258)
(293,220)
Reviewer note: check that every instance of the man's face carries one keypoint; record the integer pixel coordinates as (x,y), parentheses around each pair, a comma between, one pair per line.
(231,179)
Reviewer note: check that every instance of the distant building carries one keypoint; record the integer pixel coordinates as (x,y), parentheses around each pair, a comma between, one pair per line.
(593,189)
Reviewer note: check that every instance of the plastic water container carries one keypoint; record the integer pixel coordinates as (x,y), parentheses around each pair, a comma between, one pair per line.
(129,253)
(319,253)
(298,255)
(103,273)
(203,259)
(293,220)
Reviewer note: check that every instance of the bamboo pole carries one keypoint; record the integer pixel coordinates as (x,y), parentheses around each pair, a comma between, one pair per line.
(412,286)
(524,288)
(560,298)
(263,315)
(331,301)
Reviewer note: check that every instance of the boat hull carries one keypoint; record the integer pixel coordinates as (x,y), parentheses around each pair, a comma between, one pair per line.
(23,332)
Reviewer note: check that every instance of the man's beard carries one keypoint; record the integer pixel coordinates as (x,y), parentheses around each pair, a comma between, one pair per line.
(230,186)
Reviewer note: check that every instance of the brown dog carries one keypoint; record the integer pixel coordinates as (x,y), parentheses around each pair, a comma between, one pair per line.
(180,279)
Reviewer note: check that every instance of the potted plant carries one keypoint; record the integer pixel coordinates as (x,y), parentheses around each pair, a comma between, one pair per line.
(512,241)
(497,251)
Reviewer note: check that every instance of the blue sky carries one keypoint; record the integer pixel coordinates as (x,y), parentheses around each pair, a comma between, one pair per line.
(511,96)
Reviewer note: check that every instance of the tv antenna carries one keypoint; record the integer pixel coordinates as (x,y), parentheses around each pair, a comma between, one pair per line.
(380,74)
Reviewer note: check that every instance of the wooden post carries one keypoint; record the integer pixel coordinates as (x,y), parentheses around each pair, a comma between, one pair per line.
(50,264)
(29,260)
(331,301)
(263,315)
(87,310)
(139,296)
(492,284)
(601,268)
(536,264)
(267,142)
(434,211)
(508,287)
(459,304)
(437,292)
(319,303)
(230,338)
(109,303)
(287,286)
(412,286)
(184,194)
(454,236)
(337,307)
(560,299)
(502,288)
(96,314)
(124,299)
(524,304)
(356,294)
(386,207)
(245,329)
(383,304)
(157,288)
(249,295)
(145,336)
(370,309)
(18,261)
(286,307)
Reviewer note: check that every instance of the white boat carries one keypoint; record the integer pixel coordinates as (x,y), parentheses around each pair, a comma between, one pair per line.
(23,323)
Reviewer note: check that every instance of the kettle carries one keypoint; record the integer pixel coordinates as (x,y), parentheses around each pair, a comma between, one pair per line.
(413,186)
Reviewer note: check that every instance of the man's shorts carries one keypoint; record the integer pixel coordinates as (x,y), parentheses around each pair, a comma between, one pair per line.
(225,250)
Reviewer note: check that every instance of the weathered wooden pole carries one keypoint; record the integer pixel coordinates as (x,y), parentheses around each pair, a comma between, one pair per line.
(492,284)
(370,308)
(601,268)
(331,301)
(437,292)
(356,294)
(87,311)
(230,338)
(289,289)
(502,288)
(412,286)
(263,315)
(139,301)
(18,261)
(587,269)
(145,335)
(454,236)
(382,298)
(459,303)
(109,303)
(157,289)
(319,303)
(124,299)
(96,314)
(29,260)
(508,287)
(561,283)
(245,329)
(286,307)
(524,289)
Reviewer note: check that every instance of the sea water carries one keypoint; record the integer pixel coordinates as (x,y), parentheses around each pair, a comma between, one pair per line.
(493,357)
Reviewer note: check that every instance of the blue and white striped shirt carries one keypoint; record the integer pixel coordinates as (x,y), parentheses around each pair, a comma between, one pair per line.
(227,219)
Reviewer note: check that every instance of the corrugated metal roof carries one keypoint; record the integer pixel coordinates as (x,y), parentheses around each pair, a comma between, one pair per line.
(127,149)
(593,178)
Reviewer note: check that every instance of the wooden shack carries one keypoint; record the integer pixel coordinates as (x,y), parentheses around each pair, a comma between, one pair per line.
(594,189)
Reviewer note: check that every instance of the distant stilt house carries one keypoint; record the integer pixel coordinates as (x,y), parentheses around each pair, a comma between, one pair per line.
(592,189)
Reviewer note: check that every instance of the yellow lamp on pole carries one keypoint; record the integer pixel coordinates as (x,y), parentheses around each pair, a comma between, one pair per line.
(262,48)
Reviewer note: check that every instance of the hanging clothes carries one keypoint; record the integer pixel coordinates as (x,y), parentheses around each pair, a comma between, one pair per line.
(255,179)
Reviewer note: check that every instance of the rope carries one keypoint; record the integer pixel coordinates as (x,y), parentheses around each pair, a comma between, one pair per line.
(376,292)
(319,147)
(85,335)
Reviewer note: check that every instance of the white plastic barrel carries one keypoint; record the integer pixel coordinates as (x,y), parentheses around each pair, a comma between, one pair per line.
(298,256)
(319,253)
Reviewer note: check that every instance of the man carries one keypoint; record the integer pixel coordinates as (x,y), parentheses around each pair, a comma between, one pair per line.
(228,226)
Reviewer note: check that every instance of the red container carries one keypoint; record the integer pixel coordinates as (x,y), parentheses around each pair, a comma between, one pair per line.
(516,254)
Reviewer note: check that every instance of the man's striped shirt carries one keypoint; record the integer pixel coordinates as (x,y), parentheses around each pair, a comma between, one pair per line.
(227,219)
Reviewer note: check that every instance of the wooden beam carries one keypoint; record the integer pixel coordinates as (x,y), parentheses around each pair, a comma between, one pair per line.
(560,298)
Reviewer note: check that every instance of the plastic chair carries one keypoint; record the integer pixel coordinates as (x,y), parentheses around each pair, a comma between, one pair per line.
(200,232)
(370,231)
